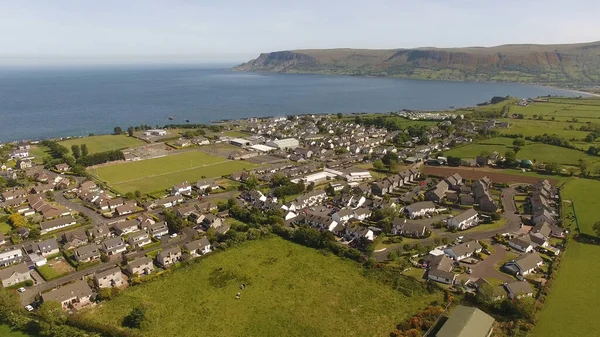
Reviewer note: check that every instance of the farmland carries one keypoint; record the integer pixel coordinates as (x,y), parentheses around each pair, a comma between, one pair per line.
(161,173)
(104,143)
(291,291)
(578,267)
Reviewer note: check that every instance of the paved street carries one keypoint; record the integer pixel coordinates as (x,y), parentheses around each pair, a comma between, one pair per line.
(486,268)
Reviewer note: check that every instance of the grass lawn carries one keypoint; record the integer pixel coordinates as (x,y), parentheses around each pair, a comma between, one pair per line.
(5,228)
(5,331)
(486,227)
(39,152)
(103,143)
(161,173)
(48,273)
(291,291)
(584,192)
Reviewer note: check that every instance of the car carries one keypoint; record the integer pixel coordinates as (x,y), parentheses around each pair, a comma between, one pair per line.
(21,290)
(516,212)
(486,251)
(460,238)
(28,307)
(174,235)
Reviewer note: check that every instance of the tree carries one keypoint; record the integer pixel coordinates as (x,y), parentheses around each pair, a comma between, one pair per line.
(596,228)
(52,313)
(552,168)
(16,220)
(340,115)
(84,150)
(389,157)
(583,167)
(10,305)
(516,149)
(118,130)
(130,131)
(520,142)
(138,194)
(174,222)
(378,165)
(76,151)
(510,158)
(135,318)
(485,154)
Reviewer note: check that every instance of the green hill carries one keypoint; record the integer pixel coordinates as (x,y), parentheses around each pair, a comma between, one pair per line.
(564,64)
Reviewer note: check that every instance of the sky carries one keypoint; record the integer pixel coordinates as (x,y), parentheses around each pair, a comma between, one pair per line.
(221,31)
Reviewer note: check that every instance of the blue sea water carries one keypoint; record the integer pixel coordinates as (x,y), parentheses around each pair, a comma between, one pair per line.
(41,103)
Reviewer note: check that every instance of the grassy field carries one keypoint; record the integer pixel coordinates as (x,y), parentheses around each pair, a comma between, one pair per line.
(161,173)
(566,310)
(103,143)
(5,331)
(291,291)
(5,228)
(532,151)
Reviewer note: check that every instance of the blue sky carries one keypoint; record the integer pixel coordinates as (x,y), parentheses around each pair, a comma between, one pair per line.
(129,31)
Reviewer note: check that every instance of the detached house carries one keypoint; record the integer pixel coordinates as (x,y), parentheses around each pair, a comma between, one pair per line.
(74,239)
(10,256)
(183,188)
(87,253)
(440,270)
(109,278)
(524,264)
(139,239)
(77,293)
(408,229)
(114,246)
(126,227)
(14,275)
(158,229)
(521,243)
(464,220)
(140,266)
(419,209)
(48,247)
(168,257)
(463,250)
(198,247)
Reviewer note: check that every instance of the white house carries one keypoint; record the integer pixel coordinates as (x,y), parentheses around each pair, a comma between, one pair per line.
(464,220)
(198,247)
(463,250)
(419,209)
(524,264)
(521,243)
(10,256)
(440,270)
(183,188)
(109,278)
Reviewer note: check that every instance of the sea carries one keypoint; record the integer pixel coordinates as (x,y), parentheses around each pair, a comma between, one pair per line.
(38,103)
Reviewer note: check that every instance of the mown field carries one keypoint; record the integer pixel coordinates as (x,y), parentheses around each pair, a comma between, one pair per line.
(291,291)
(162,173)
(567,310)
(539,152)
(103,143)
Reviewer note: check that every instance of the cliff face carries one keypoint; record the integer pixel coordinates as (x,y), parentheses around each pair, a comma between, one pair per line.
(550,64)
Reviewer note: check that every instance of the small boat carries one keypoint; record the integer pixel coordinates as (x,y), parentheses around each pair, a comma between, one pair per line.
(171,118)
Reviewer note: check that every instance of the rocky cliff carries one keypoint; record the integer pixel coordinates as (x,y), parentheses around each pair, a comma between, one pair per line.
(549,64)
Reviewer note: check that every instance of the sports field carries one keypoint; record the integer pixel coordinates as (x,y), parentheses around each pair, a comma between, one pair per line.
(567,311)
(104,143)
(162,173)
(291,291)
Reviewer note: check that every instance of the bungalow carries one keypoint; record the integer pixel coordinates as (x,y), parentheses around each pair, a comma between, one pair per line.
(467,322)
(127,208)
(113,246)
(419,209)
(168,257)
(466,200)
(139,239)
(158,229)
(62,167)
(198,247)
(440,270)
(78,293)
(99,232)
(14,194)
(521,243)
(48,247)
(144,220)
(14,275)
(140,266)
(408,229)
(126,227)
(518,289)
(463,250)
(109,278)
(74,239)
(464,220)
(25,211)
(203,184)
(87,253)
(52,225)
(212,221)
(169,201)
(88,186)
(524,264)
(183,188)
(10,256)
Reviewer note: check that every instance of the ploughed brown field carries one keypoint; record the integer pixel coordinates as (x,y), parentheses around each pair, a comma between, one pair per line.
(476,173)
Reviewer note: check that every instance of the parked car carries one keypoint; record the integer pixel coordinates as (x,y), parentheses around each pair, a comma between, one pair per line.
(28,307)
(174,235)
(486,251)
(21,290)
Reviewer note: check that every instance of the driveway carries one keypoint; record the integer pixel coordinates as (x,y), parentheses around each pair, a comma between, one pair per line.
(487,267)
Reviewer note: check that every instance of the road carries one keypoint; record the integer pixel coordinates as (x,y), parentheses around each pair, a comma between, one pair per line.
(29,295)
(487,267)
(95,218)
(513,224)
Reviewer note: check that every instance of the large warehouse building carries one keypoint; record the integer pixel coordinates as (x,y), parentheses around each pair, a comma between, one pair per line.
(286,143)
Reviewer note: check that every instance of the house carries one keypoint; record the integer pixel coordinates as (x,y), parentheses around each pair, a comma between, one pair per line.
(482,195)
(356,231)
(109,278)
(518,289)
(463,250)
(126,227)
(140,266)
(10,256)
(89,186)
(467,322)
(52,225)
(113,246)
(155,133)
(381,188)
(74,239)
(419,209)
(139,239)
(87,253)
(168,257)
(23,164)
(144,220)
(198,247)
(203,184)
(158,229)
(362,213)
(183,188)
(48,247)
(77,293)
(14,275)
(343,215)
(521,243)
(212,221)
(464,220)
(544,216)
(437,193)
(440,270)
(455,181)
(466,200)
(524,264)
(99,232)
(127,208)
(62,167)
(14,194)
(408,229)
(169,201)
